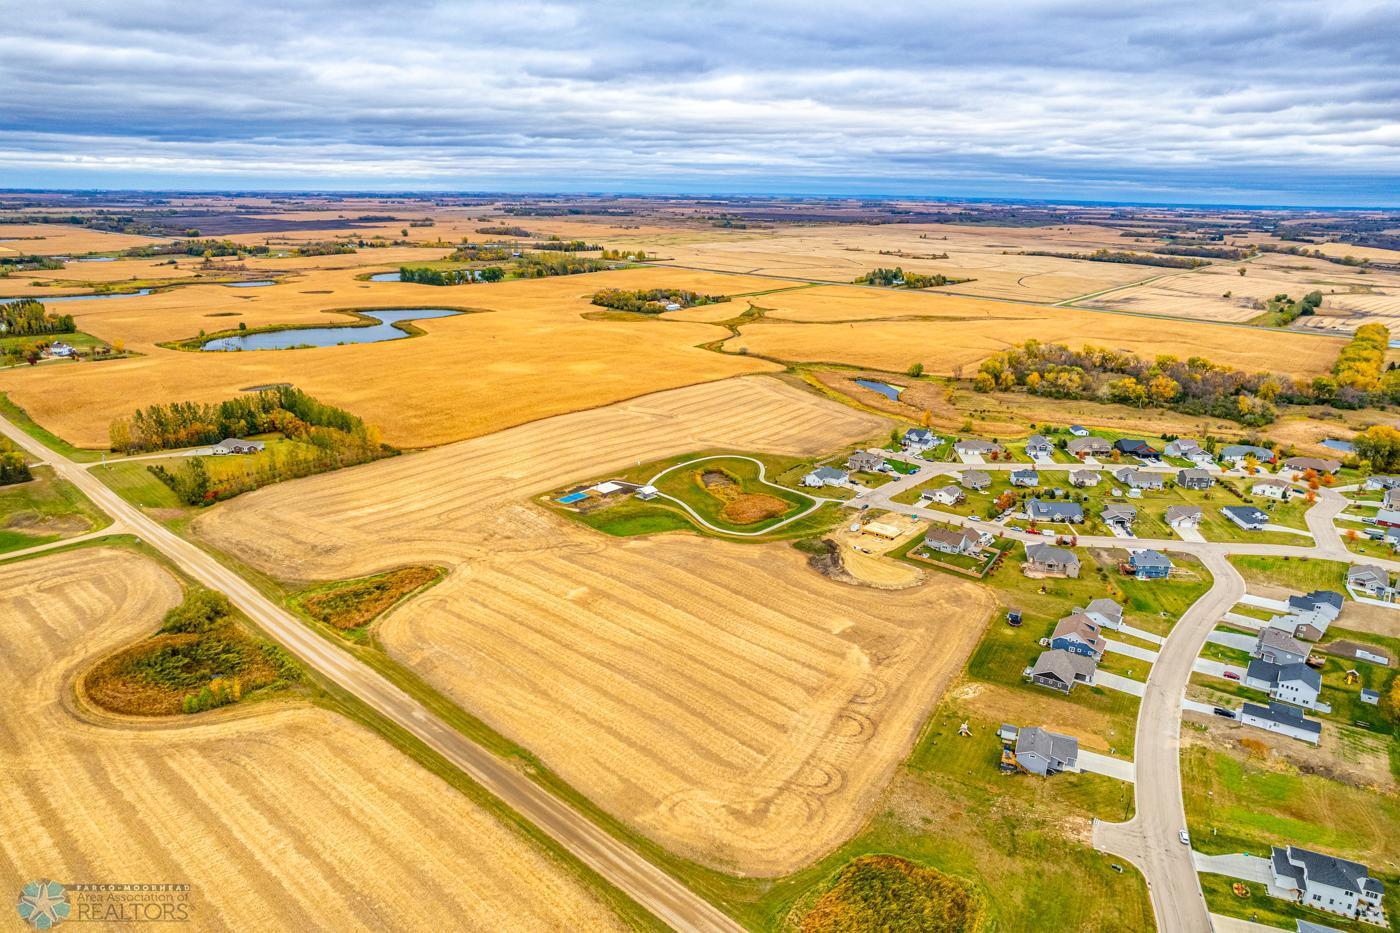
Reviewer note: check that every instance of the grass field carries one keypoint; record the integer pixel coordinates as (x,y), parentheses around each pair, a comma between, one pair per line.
(300,789)
(44,509)
(1299,574)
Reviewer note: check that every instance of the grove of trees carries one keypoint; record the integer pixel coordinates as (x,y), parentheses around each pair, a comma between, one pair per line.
(898,278)
(26,317)
(423,275)
(652,300)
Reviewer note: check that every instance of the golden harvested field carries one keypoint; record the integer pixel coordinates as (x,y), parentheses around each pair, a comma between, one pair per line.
(890,330)
(531,355)
(279,815)
(62,239)
(986,254)
(747,726)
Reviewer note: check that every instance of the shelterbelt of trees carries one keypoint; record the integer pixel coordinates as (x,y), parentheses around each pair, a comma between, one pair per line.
(652,300)
(423,275)
(1194,386)
(898,278)
(27,317)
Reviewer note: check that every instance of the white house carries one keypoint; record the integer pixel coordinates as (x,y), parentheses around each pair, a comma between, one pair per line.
(1184,517)
(1283,719)
(1104,613)
(917,440)
(235,445)
(825,476)
(1084,478)
(1297,684)
(945,495)
(1328,883)
(1272,489)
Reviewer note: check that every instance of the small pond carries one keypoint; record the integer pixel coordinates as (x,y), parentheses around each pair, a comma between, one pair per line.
(330,335)
(385,277)
(884,388)
(97,259)
(258,284)
(1345,447)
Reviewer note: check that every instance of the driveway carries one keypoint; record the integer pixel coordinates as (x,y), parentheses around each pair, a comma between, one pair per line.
(1234,618)
(1277,605)
(1196,706)
(1286,530)
(1141,633)
(1189,534)
(1213,668)
(1103,764)
(971,458)
(1132,651)
(1232,640)
(1123,684)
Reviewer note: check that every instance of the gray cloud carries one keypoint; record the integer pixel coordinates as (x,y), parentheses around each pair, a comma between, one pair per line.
(1269,100)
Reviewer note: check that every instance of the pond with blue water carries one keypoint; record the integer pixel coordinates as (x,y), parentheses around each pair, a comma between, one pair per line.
(884,388)
(332,334)
(258,284)
(386,277)
(47,298)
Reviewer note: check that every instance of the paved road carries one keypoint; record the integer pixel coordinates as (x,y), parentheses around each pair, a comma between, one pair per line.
(648,885)
(1149,839)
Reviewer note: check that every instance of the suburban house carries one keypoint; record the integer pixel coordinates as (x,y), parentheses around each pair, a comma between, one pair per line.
(1050,561)
(1150,565)
(1078,633)
(972,447)
(1084,478)
(1042,752)
(1309,616)
(1236,454)
(944,495)
(825,476)
(1183,447)
(1184,516)
(1246,516)
(234,445)
(1388,518)
(1272,489)
(1119,516)
(1283,719)
(1391,499)
(1038,445)
(1328,883)
(1381,481)
(1078,430)
(1370,581)
(1194,479)
(61,349)
(976,479)
(1090,446)
(917,440)
(1054,510)
(1138,479)
(1061,670)
(961,541)
(1317,464)
(1136,447)
(1104,612)
(1278,646)
(1025,478)
(864,461)
(1290,683)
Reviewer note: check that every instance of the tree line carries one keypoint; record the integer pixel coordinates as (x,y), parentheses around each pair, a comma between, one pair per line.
(652,300)
(27,317)
(190,424)
(539,267)
(554,244)
(518,233)
(423,275)
(898,278)
(1116,255)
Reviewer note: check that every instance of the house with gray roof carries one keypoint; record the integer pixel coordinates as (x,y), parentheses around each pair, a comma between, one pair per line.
(825,476)
(1027,477)
(1283,719)
(236,445)
(1061,670)
(1289,683)
(976,479)
(1316,464)
(1042,752)
(1325,882)
(1370,581)
(1278,646)
(1381,481)
(1054,510)
(865,461)
(959,541)
(1121,516)
(1271,489)
(1084,478)
(1194,479)
(1039,445)
(1150,565)
(1078,633)
(1090,446)
(1235,454)
(1138,479)
(1246,516)
(1050,561)
(1184,516)
(974,447)
(943,495)
(1182,447)
(917,440)
(1104,613)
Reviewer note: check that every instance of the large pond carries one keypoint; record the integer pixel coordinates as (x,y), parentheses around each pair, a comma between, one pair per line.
(258,284)
(884,388)
(331,335)
(386,277)
(47,298)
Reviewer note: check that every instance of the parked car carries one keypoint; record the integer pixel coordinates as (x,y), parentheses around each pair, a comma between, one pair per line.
(1184,836)
(1231,675)
(1222,711)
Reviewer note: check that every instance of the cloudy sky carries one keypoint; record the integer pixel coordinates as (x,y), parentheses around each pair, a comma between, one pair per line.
(1241,102)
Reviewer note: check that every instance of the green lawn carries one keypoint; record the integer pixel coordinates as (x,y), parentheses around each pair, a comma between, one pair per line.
(78,339)
(1300,574)
(1259,907)
(45,509)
